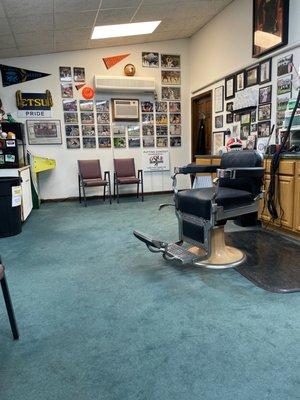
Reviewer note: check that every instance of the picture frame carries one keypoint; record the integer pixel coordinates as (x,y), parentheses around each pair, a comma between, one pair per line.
(264,112)
(170,61)
(218,141)
(264,129)
(240,81)
(265,95)
(251,76)
(284,65)
(284,85)
(265,71)
(229,118)
(229,107)
(44,132)
(219,99)
(119,107)
(150,59)
(230,87)
(270,24)
(219,121)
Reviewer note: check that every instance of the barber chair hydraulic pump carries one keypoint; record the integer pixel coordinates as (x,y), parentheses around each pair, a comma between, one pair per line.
(203,213)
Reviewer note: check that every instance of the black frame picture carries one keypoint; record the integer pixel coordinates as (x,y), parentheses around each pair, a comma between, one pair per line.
(229,118)
(247,80)
(264,112)
(219,121)
(264,98)
(229,107)
(265,15)
(265,124)
(268,67)
(239,87)
(231,79)
(219,99)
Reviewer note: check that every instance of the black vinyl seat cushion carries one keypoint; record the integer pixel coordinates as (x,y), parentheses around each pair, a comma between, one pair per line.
(198,201)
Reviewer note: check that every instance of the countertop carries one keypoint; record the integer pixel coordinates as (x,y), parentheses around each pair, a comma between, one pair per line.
(293,155)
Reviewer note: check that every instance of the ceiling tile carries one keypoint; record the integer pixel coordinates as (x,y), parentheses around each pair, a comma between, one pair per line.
(34,50)
(120,3)
(7,41)
(32,23)
(74,20)
(115,16)
(75,5)
(15,8)
(159,12)
(72,35)
(32,38)
(4,27)
(78,45)
(7,53)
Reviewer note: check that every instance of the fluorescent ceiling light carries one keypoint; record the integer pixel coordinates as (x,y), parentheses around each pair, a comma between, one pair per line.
(135,28)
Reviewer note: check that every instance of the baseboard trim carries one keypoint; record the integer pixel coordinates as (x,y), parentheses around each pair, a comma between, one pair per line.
(60,200)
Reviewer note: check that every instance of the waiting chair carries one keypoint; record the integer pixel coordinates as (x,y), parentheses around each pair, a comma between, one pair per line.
(8,303)
(125,175)
(203,213)
(90,175)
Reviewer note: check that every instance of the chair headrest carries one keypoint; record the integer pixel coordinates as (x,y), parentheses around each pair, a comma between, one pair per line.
(244,158)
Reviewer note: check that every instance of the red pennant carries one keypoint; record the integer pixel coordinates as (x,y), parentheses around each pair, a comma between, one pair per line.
(79,85)
(111,61)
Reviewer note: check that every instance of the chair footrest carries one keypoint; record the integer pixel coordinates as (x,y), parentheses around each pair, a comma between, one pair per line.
(174,251)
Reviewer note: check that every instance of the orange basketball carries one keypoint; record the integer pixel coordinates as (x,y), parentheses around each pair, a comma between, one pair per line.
(88,92)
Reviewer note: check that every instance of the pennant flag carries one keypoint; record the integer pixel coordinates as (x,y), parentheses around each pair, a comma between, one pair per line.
(79,85)
(111,61)
(13,75)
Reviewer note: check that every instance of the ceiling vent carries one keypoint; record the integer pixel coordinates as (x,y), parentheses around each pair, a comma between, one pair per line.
(124,84)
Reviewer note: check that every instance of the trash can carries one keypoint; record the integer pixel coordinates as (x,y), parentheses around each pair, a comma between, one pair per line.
(10,207)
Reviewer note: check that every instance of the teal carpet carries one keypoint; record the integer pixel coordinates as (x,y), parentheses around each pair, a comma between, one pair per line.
(101,318)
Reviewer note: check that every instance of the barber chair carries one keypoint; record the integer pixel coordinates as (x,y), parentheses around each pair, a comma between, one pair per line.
(203,213)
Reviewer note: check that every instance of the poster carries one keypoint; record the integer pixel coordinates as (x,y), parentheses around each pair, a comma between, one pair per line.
(156,160)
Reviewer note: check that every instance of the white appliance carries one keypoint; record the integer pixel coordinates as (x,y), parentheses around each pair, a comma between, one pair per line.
(124,84)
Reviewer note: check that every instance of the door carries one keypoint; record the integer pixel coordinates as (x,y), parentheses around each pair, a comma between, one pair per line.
(201,114)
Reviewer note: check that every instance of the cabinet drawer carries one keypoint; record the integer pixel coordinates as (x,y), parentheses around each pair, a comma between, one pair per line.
(203,161)
(297,169)
(216,161)
(286,167)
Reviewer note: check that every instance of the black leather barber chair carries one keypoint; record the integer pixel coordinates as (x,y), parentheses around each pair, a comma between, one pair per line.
(203,213)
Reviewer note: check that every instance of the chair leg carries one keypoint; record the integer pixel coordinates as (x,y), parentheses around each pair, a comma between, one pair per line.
(9,308)
(142,187)
(84,196)
(79,189)
(114,189)
(137,190)
(117,192)
(109,192)
(104,190)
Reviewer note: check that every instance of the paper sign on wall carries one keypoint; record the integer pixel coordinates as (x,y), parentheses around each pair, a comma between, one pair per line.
(156,160)
(16,196)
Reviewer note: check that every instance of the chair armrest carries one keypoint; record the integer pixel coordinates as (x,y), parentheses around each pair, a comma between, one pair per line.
(107,174)
(140,174)
(196,168)
(235,173)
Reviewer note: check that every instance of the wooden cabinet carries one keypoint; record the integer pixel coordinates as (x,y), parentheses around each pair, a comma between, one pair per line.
(297,199)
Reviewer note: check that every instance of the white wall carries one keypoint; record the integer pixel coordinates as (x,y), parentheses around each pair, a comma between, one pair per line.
(62,181)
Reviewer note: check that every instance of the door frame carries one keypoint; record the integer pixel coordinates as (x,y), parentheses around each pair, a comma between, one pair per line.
(193,102)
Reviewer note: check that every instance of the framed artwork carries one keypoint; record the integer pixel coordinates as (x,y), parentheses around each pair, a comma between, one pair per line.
(218,142)
(229,118)
(170,93)
(240,81)
(265,71)
(170,61)
(73,143)
(125,109)
(285,65)
(245,131)
(264,112)
(44,132)
(229,87)
(252,76)
(264,129)
(150,60)
(229,107)
(219,99)
(253,116)
(245,118)
(265,95)
(270,25)
(170,77)
(219,121)
(284,85)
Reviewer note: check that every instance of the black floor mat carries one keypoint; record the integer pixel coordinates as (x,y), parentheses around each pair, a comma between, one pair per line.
(273,262)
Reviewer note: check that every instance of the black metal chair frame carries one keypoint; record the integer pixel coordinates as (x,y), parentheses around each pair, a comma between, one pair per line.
(141,181)
(9,306)
(82,186)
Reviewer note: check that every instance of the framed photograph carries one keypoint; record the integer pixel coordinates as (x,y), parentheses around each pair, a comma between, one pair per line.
(265,71)
(71,118)
(104,142)
(251,76)
(270,25)
(253,128)
(219,99)
(229,107)
(161,119)
(253,116)
(240,81)
(229,118)
(103,118)
(218,142)
(79,74)
(175,130)
(170,77)
(148,141)
(88,130)
(148,118)
(161,106)
(89,142)
(147,106)
(219,121)
(265,94)
(119,130)
(284,85)
(170,93)
(245,118)
(264,129)
(282,101)
(133,130)
(229,87)
(119,142)
(87,118)
(43,132)
(65,74)
(174,106)
(175,119)
(162,142)
(148,130)
(125,109)
(86,105)
(69,105)
(66,90)
(245,131)
(162,130)
(170,61)
(264,112)
(134,142)
(102,105)
(73,143)
(72,130)
(150,59)
(175,141)
(285,65)
(103,130)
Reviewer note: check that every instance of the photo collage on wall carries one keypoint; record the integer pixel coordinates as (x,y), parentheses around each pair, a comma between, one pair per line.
(284,87)
(161,121)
